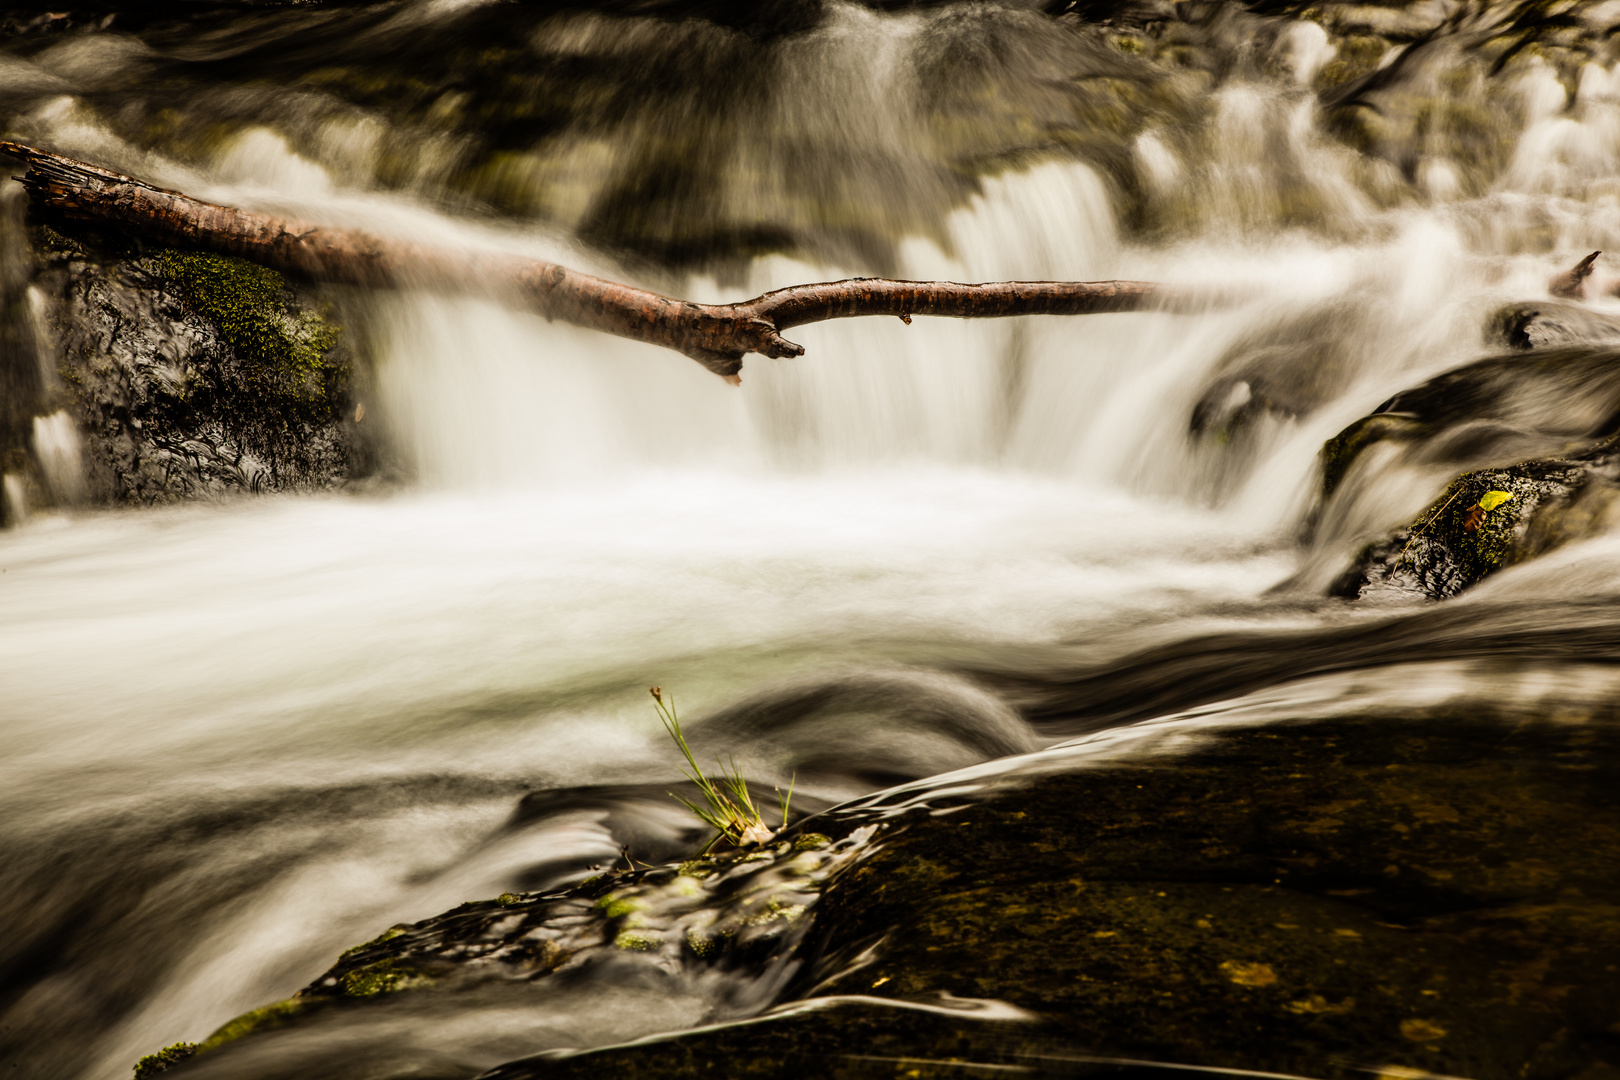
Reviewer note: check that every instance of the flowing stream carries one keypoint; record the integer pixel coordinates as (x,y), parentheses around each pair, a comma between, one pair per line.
(240,737)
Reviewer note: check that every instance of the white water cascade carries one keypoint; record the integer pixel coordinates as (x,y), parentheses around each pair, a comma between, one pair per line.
(361,684)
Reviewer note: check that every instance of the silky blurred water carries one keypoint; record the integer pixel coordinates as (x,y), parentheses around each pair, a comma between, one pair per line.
(241,737)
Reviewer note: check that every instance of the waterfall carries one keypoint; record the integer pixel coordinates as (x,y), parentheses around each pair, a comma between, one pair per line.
(244,735)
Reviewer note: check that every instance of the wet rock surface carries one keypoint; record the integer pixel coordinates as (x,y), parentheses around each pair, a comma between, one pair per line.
(1535,431)
(178,375)
(1492,519)
(1428,889)
(1493,410)
(1549,324)
(1331,892)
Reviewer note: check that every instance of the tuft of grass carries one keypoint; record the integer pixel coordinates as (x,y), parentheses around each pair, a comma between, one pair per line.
(730,810)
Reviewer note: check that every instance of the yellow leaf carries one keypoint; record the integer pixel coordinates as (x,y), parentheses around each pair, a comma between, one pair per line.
(1492,499)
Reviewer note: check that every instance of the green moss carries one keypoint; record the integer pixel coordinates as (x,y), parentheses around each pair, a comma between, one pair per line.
(635,943)
(617,907)
(811,842)
(507,899)
(776,911)
(248,305)
(384,977)
(387,935)
(153,1064)
(264,1018)
(702,946)
(1341,451)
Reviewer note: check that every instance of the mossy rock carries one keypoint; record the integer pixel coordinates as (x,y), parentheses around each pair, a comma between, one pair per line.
(156,1064)
(1492,519)
(277,1014)
(286,348)
(1428,890)
(191,374)
(1425,892)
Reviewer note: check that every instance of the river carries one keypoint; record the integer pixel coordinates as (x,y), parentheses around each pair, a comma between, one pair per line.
(241,736)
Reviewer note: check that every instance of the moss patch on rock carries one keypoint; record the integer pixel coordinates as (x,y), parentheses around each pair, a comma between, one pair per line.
(1491,519)
(156,1064)
(193,374)
(383,977)
(287,347)
(265,1018)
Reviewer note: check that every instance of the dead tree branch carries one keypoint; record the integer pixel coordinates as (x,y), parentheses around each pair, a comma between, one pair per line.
(715,335)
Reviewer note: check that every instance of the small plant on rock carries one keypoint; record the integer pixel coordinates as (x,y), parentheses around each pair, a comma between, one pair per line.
(730,811)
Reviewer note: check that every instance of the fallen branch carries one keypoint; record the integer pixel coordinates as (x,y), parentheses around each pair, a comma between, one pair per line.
(715,335)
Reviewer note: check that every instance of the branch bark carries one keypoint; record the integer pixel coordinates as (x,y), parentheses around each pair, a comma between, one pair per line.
(715,335)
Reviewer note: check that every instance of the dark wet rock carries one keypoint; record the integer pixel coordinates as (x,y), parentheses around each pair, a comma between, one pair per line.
(1550,324)
(1284,370)
(180,375)
(1430,891)
(1287,898)
(740,910)
(1491,411)
(1536,428)
(1492,519)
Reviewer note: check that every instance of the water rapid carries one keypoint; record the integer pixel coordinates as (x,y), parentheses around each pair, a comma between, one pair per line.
(241,736)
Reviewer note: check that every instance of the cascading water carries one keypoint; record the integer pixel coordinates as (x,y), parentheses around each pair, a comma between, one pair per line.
(242,737)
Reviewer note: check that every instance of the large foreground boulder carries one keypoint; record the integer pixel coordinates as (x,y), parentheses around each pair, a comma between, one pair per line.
(1424,890)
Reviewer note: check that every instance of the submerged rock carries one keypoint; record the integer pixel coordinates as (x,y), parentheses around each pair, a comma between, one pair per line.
(1548,324)
(1431,891)
(1501,408)
(1286,369)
